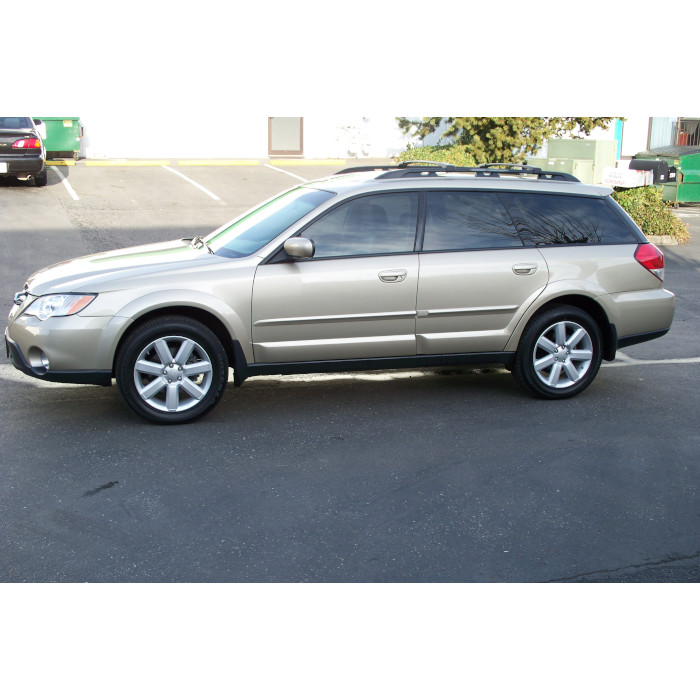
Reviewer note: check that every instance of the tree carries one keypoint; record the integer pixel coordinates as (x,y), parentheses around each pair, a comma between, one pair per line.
(501,139)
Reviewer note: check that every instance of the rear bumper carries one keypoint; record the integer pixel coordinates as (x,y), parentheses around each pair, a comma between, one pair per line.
(646,312)
(103,378)
(22,165)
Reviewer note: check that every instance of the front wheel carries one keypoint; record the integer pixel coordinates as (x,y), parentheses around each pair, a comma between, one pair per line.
(559,353)
(172,370)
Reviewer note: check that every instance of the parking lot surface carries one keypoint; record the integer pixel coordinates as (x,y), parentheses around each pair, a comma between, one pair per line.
(379,476)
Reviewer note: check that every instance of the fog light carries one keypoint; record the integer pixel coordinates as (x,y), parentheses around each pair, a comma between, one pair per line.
(38,360)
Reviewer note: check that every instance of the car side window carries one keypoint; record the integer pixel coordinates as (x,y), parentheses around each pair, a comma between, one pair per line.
(458,220)
(549,219)
(369,225)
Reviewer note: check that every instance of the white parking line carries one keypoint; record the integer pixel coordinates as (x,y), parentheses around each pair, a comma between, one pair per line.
(623,360)
(286,172)
(192,182)
(71,191)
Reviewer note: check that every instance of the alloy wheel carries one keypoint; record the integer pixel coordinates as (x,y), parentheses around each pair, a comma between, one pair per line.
(562,354)
(173,374)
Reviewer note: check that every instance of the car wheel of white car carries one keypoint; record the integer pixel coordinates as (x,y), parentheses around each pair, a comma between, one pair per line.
(559,353)
(172,370)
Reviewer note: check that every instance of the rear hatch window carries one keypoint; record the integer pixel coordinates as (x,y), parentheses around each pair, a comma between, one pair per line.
(550,219)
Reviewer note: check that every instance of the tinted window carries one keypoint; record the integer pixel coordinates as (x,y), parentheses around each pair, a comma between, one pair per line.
(558,219)
(371,225)
(16,123)
(257,228)
(462,220)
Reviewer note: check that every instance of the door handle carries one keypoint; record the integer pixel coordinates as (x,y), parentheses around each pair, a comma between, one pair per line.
(525,268)
(393,275)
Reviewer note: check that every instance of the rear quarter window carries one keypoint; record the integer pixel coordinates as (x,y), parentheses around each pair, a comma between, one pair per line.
(548,219)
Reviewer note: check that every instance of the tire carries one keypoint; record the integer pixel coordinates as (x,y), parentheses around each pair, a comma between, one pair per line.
(171,370)
(559,353)
(41,179)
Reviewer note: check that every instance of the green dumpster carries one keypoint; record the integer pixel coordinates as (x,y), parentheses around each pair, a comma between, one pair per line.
(62,136)
(686,161)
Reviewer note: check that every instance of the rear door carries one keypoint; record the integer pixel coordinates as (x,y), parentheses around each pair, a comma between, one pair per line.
(476,276)
(356,298)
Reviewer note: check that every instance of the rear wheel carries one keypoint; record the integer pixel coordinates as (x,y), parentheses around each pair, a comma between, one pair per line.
(559,353)
(42,178)
(172,370)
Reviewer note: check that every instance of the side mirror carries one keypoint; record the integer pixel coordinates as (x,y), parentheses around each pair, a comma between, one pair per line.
(299,248)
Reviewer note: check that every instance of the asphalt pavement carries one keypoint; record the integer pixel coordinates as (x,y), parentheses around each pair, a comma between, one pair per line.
(379,476)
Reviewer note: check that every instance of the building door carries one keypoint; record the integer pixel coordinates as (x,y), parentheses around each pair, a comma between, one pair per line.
(285,136)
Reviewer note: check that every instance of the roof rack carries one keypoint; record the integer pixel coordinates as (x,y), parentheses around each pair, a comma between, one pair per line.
(413,168)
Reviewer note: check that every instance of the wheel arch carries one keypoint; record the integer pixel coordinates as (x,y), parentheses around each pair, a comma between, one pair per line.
(580,301)
(234,352)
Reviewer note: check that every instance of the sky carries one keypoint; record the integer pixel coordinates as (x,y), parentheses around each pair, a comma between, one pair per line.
(204,58)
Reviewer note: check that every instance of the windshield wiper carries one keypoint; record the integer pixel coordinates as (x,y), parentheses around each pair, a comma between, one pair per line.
(194,243)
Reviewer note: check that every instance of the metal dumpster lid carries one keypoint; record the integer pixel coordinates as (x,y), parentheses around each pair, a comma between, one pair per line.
(670,151)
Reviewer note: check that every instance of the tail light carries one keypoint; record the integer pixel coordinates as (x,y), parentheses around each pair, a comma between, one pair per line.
(27,143)
(651,258)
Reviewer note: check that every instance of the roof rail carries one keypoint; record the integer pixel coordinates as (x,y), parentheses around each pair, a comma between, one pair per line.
(410,168)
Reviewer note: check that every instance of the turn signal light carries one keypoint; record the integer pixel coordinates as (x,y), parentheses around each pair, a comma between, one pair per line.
(651,258)
(27,143)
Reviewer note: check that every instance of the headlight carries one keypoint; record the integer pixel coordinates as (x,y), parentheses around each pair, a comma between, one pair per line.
(58,305)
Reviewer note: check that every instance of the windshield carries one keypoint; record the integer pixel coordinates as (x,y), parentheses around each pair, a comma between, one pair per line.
(257,228)
(16,123)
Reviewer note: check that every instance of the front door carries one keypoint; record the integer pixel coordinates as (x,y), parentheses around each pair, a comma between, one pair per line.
(356,298)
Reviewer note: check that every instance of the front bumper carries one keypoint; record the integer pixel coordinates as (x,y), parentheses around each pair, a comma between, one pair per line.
(77,349)
(37,370)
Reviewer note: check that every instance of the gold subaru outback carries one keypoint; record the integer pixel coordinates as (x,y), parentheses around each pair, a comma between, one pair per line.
(414,265)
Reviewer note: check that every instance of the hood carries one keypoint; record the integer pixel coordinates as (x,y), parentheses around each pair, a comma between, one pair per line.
(113,269)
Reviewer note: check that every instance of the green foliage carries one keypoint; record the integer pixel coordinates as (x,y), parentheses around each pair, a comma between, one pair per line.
(501,139)
(456,154)
(654,216)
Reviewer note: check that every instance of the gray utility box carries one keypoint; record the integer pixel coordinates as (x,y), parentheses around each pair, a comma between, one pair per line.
(603,153)
(582,169)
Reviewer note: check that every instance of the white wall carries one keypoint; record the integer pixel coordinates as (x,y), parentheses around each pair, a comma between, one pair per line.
(224,135)
(112,135)
(352,137)
(165,135)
